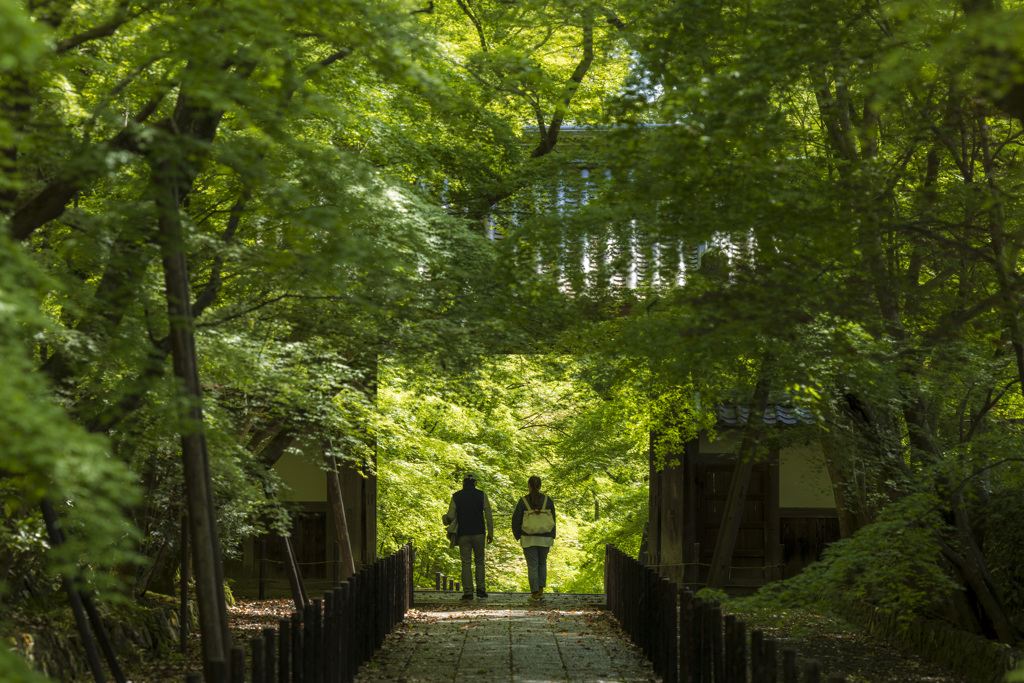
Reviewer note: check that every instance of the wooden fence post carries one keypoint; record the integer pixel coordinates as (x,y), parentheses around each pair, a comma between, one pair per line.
(269,658)
(318,648)
(718,665)
(707,645)
(771,660)
(369,589)
(341,608)
(729,641)
(789,671)
(284,650)
(297,648)
(379,606)
(410,564)
(686,638)
(327,638)
(648,616)
(757,673)
(698,643)
(389,594)
(347,665)
(237,665)
(355,649)
(257,659)
(308,653)
(671,628)
(218,670)
(740,640)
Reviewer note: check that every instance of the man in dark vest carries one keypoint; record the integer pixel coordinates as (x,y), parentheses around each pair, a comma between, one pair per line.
(471,507)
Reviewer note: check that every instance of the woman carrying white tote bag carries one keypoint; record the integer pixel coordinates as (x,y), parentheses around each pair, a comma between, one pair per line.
(533,525)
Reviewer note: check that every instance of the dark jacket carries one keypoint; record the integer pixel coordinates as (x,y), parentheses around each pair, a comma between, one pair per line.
(471,507)
(517,517)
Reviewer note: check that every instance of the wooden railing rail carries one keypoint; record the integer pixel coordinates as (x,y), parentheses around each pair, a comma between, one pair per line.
(686,638)
(328,640)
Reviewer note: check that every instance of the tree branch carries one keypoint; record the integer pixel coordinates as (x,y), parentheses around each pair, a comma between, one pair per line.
(213,285)
(550,138)
(107,28)
(613,18)
(476,24)
(49,203)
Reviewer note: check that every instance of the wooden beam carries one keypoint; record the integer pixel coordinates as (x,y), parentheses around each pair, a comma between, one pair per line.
(340,521)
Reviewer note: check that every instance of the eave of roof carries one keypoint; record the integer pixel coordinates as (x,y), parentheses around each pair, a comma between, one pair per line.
(774,414)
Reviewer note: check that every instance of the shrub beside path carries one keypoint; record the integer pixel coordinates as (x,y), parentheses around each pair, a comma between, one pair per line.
(505,637)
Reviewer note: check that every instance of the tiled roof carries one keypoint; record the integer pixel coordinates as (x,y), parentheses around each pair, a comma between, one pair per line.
(733,414)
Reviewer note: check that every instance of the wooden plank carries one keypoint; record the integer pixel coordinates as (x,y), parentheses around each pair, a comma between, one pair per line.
(654,542)
(772,529)
(690,454)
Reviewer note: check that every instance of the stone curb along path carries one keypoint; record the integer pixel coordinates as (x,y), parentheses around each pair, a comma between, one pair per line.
(505,637)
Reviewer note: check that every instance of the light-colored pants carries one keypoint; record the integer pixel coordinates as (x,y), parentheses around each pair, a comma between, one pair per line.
(537,566)
(471,548)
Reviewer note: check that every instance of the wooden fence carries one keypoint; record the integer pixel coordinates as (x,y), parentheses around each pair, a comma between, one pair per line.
(328,640)
(687,639)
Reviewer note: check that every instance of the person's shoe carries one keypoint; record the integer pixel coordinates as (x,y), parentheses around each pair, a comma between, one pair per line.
(481,594)
(535,596)
(467,596)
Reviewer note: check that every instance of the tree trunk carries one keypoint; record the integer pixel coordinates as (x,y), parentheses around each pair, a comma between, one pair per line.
(209,572)
(963,553)
(733,514)
(973,571)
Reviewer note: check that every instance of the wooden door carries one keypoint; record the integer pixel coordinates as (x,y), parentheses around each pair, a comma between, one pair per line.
(309,535)
(750,563)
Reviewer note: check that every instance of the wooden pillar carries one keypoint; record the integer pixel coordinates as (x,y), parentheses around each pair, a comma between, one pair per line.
(672,547)
(653,508)
(341,528)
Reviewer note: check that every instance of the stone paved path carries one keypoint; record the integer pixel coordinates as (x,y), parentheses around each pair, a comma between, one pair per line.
(507,638)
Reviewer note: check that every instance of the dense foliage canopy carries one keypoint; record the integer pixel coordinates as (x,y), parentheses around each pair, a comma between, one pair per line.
(215,218)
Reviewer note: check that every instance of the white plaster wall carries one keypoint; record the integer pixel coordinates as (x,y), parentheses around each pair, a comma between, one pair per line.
(803,479)
(301,471)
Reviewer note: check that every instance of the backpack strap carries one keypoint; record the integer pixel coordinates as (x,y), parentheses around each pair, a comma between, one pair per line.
(529,507)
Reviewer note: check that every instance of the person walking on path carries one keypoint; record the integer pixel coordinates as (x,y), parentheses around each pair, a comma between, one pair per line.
(473,512)
(533,525)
